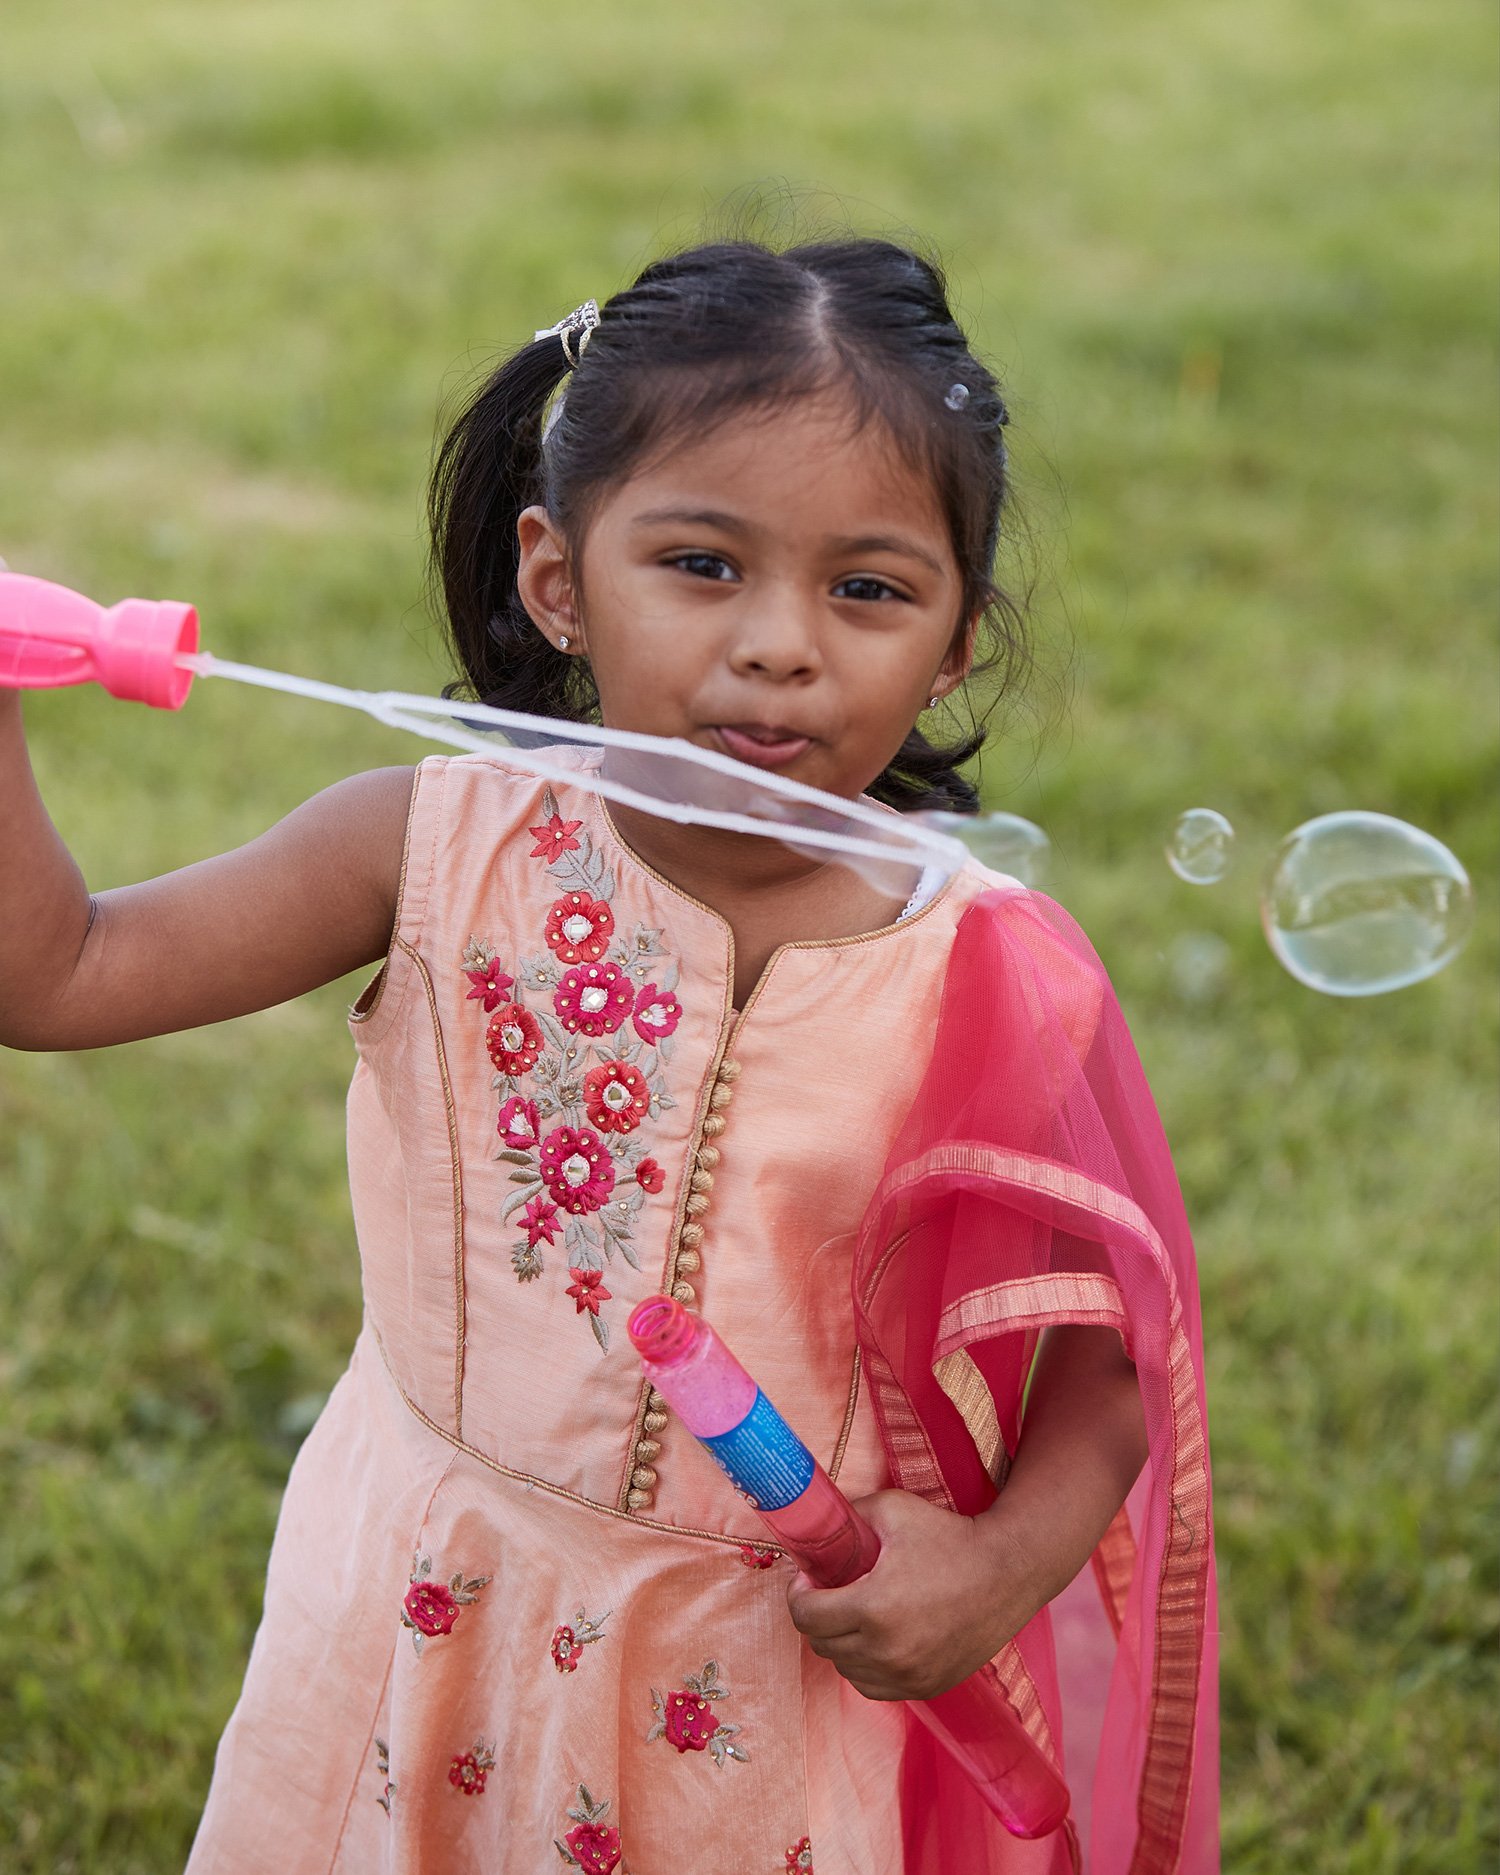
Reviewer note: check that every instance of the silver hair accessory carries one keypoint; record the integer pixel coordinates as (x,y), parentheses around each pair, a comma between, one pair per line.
(957,396)
(583,320)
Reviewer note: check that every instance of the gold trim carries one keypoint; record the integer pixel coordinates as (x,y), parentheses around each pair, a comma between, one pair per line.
(848,1426)
(545,1484)
(1030,1301)
(967,1388)
(378,981)
(458,1189)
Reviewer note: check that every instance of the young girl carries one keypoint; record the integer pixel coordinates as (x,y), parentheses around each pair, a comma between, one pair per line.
(515,1619)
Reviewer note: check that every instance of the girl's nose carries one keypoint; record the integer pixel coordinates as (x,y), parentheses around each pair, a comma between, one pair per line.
(777,640)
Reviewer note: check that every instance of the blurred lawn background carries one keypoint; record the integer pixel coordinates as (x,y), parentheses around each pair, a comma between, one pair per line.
(1236,260)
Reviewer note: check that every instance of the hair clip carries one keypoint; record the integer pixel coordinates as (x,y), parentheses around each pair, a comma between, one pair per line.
(582,320)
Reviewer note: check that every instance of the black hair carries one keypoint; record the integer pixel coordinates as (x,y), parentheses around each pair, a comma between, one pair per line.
(703,334)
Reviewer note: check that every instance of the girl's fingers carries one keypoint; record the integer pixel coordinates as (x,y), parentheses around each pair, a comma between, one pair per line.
(823,1614)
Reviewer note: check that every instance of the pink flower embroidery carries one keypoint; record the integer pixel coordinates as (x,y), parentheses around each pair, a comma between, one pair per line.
(469,1769)
(588,1291)
(649,1175)
(799,1857)
(577,1169)
(688,1722)
(754,1557)
(566,1653)
(657,1013)
(554,838)
(490,985)
(518,1125)
(593,998)
(514,1039)
(568,1642)
(595,1847)
(579,928)
(540,1220)
(431,1607)
(616,1097)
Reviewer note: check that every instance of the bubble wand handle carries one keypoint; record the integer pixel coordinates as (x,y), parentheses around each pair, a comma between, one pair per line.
(721,1405)
(51,636)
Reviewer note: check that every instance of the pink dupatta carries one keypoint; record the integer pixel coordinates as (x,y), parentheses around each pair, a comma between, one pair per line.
(1031,1184)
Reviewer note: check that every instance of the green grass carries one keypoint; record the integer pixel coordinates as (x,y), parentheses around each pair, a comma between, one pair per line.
(1237,263)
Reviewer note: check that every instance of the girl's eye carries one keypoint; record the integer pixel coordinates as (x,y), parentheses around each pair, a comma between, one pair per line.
(704,565)
(866,586)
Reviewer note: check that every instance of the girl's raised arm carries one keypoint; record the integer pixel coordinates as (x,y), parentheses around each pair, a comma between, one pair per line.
(309,900)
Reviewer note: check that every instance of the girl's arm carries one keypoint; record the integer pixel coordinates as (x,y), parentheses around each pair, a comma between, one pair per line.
(948,1592)
(306,902)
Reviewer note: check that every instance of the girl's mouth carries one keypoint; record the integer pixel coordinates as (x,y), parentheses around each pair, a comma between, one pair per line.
(760,745)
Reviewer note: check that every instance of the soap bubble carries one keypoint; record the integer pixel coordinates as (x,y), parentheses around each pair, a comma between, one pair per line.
(1198,963)
(1003,842)
(1355,904)
(1201,846)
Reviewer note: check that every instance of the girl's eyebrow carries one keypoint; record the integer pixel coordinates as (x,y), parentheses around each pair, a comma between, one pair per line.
(732,524)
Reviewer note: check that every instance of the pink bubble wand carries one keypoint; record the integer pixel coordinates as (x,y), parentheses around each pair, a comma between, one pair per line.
(721,1405)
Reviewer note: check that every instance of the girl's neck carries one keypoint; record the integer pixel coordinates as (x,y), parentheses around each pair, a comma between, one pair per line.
(766,894)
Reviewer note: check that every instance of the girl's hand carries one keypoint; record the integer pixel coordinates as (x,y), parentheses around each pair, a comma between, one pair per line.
(945,1595)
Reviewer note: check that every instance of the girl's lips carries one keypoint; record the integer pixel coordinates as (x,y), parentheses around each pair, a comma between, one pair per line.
(760,751)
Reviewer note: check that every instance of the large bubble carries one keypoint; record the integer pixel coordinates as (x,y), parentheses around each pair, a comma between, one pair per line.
(1355,904)
(1003,842)
(1201,846)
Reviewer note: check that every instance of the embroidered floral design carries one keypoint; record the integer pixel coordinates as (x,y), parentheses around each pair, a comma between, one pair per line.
(579,1037)
(514,1039)
(588,1291)
(577,1169)
(555,836)
(616,1097)
(579,928)
(469,1769)
(430,1607)
(568,1643)
(754,1557)
(383,1767)
(518,1124)
(489,980)
(592,1844)
(657,1013)
(594,999)
(539,1220)
(799,1857)
(686,1718)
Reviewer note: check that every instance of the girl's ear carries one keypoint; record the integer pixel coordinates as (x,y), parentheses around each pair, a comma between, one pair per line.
(544,579)
(959,661)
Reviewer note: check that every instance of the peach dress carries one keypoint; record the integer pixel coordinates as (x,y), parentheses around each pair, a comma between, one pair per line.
(515,1617)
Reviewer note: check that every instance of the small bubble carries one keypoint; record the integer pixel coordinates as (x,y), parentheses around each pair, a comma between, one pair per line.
(1003,842)
(1201,847)
(1198,963)
(1463,1457)
(1355,904)
(957,397)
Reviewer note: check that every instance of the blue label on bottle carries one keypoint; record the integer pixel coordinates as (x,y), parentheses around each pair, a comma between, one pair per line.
(763,1457)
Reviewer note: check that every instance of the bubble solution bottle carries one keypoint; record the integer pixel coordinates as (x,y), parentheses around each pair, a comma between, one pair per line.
(721,1405)
(51,636)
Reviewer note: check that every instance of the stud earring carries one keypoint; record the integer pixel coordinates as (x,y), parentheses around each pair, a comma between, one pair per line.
(563,643)
(932,703)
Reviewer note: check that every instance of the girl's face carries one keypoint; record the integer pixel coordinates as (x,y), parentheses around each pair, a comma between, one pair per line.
(784,591)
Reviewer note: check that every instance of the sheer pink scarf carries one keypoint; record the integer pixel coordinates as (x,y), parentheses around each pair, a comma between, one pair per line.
(1031,1184)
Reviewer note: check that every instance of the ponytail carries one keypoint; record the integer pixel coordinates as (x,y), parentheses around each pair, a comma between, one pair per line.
(488,470)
